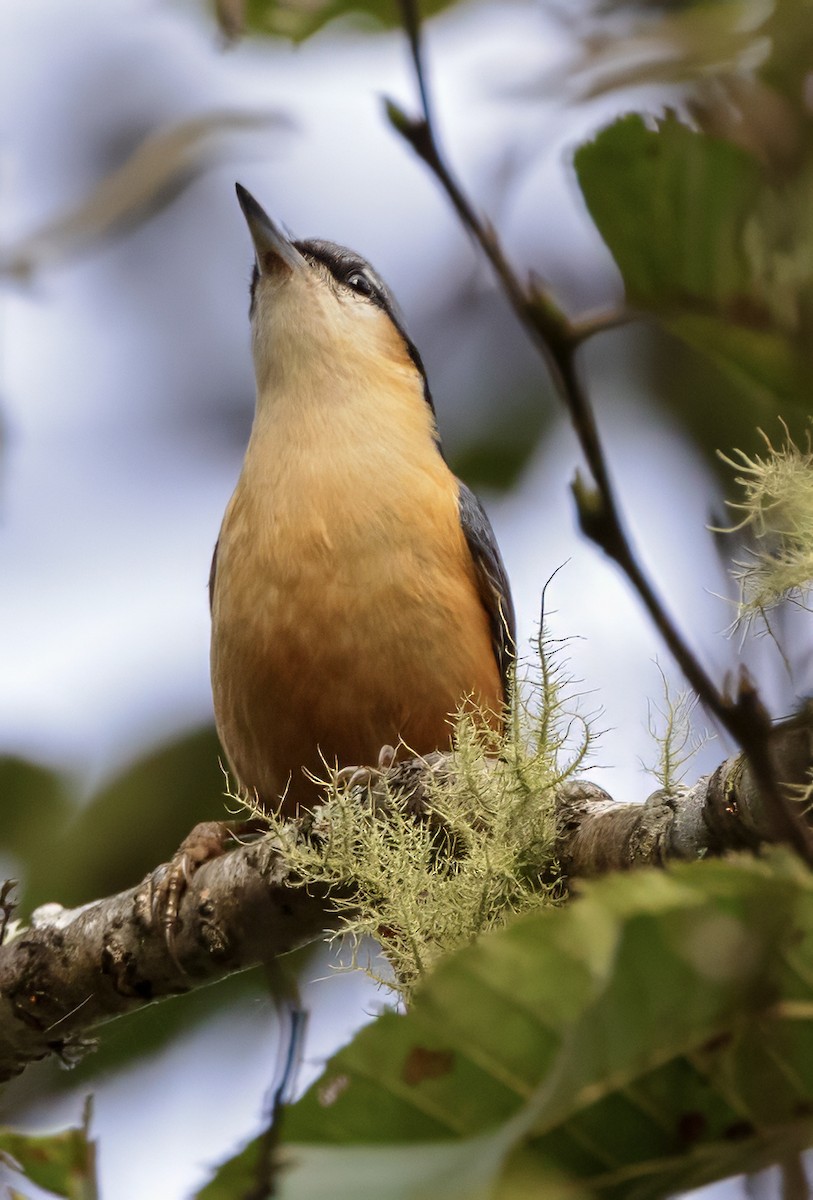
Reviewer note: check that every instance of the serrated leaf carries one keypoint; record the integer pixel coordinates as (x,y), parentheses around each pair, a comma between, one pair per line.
(707,246)
(654,1035)
(671,205)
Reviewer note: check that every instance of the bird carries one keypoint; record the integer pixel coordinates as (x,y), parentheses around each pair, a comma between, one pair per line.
(358,596)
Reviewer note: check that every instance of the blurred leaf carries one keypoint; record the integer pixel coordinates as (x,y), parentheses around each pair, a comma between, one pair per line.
(789,28)
(739,49)
(148,1030)
(653,1036)
(495,463)
(715,408)
(134,823)
(298,19)
(145,1032)
(237,1176)
(35,804)
(160,168)
(743,65)
(72,854)
(625,44)
(708,247)
(497,456)
(63,1163)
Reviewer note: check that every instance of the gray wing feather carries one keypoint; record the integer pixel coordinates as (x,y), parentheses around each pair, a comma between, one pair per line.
(212,574)
(492,579)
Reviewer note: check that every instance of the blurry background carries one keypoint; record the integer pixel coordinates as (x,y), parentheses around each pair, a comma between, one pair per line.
(126,396)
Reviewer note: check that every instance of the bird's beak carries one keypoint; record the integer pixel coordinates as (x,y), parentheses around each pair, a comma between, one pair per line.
(272,248)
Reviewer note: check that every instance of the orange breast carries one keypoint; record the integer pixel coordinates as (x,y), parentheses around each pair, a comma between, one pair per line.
(344,622)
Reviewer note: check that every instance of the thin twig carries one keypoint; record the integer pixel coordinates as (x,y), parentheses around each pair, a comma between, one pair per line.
(558,339)
(794,1179)
(586,327)
(412,27)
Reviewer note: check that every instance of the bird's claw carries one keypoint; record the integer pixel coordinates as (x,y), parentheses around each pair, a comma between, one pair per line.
(386,757)
(367,777)
(208,840)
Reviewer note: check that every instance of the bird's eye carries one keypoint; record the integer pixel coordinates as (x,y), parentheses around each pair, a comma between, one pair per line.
(359,282)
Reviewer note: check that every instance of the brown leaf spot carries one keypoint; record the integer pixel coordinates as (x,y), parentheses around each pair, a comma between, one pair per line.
(422,1063)
(691,1127)
(745,310)
(718,1042)
(739,1131)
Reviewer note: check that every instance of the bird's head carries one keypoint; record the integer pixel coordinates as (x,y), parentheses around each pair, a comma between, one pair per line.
(320,309)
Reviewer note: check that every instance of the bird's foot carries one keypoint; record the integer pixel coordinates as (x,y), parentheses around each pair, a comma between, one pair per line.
(208,840)
(367,777)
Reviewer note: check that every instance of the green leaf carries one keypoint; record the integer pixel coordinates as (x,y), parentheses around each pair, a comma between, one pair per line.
(35,802)
(236,1177)
(63,1163)
(671,205)
(653,1036)
(497,451)
(132,824)
(298,19)
(708,246)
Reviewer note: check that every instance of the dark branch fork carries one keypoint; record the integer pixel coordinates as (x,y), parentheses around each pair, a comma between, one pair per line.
(558,339)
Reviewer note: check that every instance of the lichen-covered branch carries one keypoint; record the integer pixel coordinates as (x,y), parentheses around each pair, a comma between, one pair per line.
(72,970)
(723,811)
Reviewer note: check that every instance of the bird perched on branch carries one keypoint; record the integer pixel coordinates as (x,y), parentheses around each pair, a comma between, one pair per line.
(358,596)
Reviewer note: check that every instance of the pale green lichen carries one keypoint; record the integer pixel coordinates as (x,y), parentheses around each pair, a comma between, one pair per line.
(422,887)
(777,508)
(672,727)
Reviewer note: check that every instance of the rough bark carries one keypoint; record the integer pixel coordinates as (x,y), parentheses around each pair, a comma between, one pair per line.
(722,811)
(71,970)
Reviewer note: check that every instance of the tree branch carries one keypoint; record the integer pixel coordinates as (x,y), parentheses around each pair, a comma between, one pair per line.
(74,969)
(727,810)
(558,339)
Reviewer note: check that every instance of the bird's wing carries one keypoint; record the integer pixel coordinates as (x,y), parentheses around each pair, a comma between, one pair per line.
(492,580)
(212,573)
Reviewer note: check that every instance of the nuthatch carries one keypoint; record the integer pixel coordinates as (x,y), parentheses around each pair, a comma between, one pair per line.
(358,595)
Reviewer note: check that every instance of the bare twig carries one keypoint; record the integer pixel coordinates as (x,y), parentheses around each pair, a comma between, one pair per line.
(794,1179)
(558,339)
